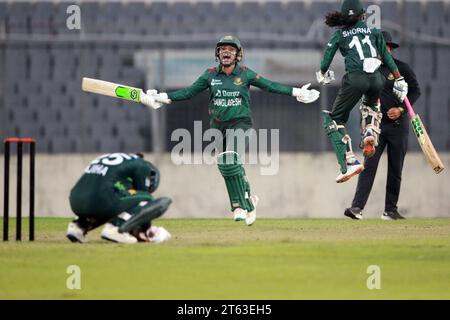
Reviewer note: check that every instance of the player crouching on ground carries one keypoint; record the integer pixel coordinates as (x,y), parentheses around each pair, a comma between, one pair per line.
(116,190)
(229,108)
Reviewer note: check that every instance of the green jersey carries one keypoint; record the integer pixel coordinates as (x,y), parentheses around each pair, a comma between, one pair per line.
(355,44)
(229,96)
(108,178)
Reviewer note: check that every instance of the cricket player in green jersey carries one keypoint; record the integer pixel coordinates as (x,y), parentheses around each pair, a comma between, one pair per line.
(364,50)
(116,190)
(229,109)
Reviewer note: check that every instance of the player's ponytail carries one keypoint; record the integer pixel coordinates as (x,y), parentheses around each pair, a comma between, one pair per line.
(340,20)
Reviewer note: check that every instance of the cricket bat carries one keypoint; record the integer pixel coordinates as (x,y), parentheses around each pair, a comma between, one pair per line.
(111,89)
(424,140)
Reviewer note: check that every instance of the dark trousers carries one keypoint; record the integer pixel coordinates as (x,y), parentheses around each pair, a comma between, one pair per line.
(354,86)
(394,137)
(236,141)
(94,209)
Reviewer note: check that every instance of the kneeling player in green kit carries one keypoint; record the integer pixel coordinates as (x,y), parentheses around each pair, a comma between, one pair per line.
(364,50)
(229,108)
(116,190)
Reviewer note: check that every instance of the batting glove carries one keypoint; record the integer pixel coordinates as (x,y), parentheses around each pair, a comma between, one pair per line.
(325,78)
(161,97)
(149,100)
(400,88)
(305,95)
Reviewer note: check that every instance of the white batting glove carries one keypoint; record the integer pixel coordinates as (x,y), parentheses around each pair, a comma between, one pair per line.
(305,95)
(161,97)
(400,88)
(325,78)
(150,101)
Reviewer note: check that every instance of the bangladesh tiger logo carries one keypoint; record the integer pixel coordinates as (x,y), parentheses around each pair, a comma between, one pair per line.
(237,81)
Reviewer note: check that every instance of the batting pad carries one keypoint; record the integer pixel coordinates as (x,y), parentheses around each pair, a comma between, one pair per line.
(236,181)
(147,211)
(339,139)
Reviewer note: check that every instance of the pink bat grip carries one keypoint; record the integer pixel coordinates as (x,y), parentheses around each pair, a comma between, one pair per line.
(410,109)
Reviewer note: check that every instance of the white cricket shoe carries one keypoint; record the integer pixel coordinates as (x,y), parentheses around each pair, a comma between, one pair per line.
(158,234)
(111,233)
(239,214)
(75,233)
(251,216)
(353,169)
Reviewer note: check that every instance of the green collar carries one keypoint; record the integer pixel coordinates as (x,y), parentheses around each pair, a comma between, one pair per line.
(360,23)
(236,70)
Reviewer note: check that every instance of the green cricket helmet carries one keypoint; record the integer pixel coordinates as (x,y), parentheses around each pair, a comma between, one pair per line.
(153,178)
(352,8)
(232,41)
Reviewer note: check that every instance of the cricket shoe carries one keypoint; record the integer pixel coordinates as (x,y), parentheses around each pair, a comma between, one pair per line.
(392,215)
(75,233)
(354,213)
(239,214)
(353,169)
(369,142)
(111,233)
(251,216)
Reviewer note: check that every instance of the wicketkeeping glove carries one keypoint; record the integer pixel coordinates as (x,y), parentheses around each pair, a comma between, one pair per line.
(400,88)
(305,95)
(325,78)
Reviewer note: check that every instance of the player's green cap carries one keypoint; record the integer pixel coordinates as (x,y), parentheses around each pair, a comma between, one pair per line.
(352,8)
(233,41)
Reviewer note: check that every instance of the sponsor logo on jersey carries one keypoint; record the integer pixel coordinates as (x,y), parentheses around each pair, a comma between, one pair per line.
(225,93)
(216,82)
(237,81)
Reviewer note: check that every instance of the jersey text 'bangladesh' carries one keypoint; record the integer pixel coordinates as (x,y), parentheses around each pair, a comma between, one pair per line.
(229,95)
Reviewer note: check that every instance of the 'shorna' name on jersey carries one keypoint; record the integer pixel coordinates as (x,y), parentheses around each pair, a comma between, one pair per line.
(352,32)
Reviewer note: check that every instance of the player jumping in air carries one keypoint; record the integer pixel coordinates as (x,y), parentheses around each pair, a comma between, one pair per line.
(229,108)
(116,190)
(364,50)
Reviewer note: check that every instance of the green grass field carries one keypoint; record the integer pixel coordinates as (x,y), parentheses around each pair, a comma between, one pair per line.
(222,259)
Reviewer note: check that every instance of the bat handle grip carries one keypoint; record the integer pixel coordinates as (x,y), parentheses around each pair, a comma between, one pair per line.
(410,109)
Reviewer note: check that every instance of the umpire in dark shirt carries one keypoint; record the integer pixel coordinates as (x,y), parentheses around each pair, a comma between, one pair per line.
(393,137)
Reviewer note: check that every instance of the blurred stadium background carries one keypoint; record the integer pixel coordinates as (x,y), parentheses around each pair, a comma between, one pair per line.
(166,45)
